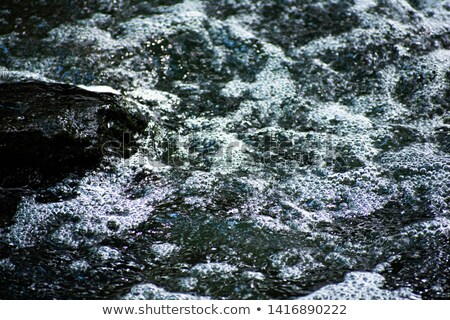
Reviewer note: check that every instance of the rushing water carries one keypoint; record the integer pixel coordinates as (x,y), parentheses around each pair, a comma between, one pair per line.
(294,149)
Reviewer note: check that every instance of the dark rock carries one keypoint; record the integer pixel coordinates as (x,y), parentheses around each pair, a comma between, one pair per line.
(9,200)
(49,130)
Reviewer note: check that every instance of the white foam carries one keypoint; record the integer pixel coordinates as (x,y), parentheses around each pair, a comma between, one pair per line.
(150,291)
(361,286)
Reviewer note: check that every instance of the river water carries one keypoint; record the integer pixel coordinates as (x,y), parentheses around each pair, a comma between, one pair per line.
(295,149)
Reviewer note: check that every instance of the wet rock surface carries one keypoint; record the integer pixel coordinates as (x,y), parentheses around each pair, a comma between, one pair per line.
(49,131)
(294,149)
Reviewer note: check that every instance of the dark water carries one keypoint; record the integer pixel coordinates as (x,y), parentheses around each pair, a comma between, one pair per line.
(296,148)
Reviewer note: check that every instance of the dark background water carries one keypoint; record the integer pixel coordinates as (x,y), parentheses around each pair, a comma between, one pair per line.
(292,145)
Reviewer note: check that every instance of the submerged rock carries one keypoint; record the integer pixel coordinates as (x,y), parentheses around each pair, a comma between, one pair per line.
(50,130)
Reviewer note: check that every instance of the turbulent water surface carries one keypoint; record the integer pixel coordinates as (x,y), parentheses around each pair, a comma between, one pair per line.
(294,149)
